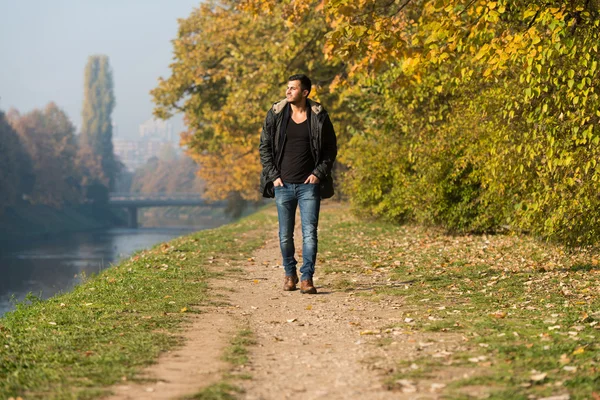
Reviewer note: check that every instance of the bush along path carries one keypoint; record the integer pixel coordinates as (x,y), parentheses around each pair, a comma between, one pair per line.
(402,312)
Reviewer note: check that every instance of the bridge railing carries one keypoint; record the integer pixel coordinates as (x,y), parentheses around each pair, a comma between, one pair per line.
(116,196)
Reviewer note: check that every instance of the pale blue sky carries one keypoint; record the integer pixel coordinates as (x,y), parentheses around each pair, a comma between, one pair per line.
(45,44)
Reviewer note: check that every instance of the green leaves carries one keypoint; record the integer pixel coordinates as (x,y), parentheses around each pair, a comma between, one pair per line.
(452,111)
(506,105)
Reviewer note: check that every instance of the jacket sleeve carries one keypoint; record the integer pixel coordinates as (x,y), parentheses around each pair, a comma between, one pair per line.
(266,148)
(328,150)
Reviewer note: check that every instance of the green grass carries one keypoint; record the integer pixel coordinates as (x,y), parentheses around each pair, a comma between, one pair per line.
(505,294)
(237,352)
(218,391)
(522,304)
(74,345)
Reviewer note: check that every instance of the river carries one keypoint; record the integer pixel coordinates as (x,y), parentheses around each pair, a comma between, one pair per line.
(49,266)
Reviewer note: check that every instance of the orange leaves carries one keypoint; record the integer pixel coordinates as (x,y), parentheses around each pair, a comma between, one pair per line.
(230,171)
(231,62)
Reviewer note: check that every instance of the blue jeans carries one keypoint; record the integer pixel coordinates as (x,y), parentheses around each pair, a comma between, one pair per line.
(287,198)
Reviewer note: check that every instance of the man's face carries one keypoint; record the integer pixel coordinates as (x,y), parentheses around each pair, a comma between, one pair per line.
(294,92)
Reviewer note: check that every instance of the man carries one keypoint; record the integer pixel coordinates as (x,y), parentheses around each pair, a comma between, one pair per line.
(297,151)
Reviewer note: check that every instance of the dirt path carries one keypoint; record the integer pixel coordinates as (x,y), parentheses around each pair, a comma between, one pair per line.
(306,344)
(324,346)
(183,371)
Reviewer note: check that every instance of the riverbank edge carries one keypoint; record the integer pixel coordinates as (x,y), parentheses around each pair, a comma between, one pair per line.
(34,221)
(77,344)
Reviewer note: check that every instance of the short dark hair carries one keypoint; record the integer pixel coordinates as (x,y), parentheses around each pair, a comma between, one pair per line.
(305,83)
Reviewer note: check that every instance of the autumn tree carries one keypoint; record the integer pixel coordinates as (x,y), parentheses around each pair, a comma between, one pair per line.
(16,174)
(172,175)
(48,137)
(230,66)
(476,115)
(96,129)
(510,85)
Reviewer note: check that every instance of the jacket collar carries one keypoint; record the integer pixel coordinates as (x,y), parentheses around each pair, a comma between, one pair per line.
(314,106)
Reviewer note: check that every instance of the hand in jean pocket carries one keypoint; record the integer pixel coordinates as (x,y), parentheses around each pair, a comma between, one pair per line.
(312,179)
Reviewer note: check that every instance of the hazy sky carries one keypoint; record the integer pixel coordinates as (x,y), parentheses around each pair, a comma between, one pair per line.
(45,44)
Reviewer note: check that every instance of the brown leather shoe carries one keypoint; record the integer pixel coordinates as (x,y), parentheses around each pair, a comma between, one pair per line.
(307,287)
(290,282)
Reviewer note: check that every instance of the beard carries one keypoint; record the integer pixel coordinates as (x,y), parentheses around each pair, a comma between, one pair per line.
(295,100)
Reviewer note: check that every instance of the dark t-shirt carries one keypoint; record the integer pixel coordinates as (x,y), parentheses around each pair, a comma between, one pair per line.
(297,162)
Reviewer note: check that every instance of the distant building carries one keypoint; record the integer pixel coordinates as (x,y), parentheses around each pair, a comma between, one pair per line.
(157,129)
(153,136)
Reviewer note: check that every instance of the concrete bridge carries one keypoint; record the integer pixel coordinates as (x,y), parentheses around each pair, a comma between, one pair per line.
(133,201)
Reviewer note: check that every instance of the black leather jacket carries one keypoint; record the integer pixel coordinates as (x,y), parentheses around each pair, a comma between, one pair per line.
(322,142)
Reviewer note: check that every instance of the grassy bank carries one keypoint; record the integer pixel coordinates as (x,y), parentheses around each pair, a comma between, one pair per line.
(38,220)
(529,312)
(73,345)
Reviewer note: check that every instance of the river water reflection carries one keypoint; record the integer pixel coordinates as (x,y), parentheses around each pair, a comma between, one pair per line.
(45,267)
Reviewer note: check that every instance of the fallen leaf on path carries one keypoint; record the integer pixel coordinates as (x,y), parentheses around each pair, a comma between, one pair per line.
(559,397)
(552,328)
(184,309)
(498,314)
(406,386)
(538,377)
(436,386)
(370,332)
(292,320)
(579,328)
(477,359)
